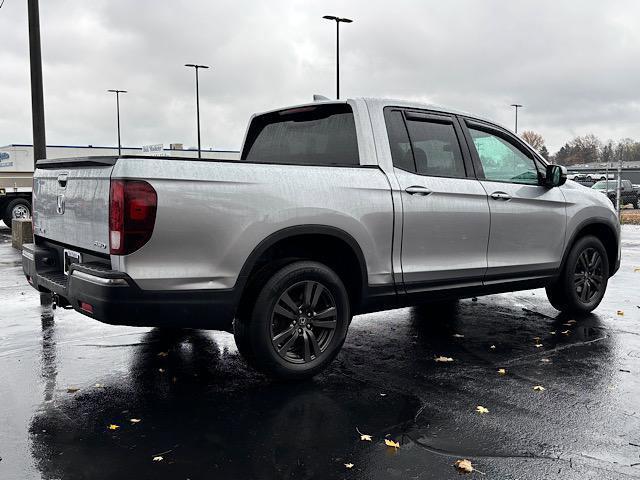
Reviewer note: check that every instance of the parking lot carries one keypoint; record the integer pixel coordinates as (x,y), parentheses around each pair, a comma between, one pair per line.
(81,399)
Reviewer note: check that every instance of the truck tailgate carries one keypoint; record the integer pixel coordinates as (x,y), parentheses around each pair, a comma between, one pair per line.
(71,202)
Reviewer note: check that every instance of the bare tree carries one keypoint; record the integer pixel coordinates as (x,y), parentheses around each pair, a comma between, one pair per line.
(534,139)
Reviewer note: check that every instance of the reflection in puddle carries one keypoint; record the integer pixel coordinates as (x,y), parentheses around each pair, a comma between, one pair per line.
(203,416)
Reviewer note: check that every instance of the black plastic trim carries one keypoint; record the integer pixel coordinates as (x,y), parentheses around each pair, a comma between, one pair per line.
(577,232)
(299,230)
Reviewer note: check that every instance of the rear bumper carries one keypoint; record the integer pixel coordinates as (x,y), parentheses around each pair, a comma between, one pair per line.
(113,297)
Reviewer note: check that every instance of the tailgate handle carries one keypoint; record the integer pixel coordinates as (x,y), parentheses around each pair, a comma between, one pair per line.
(62,179)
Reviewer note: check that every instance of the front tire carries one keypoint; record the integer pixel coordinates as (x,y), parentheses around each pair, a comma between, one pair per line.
(298,322)
(583,280)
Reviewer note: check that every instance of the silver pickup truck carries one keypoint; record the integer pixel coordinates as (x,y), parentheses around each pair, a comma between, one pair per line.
(334,209)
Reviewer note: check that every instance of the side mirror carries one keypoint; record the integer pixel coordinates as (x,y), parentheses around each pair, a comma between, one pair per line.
(556,176)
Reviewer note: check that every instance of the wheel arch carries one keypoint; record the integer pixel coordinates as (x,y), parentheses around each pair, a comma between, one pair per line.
(604,232)
(326,244)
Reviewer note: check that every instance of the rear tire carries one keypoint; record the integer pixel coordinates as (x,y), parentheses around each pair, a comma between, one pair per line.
(17,208)
(298,322)
(583,280)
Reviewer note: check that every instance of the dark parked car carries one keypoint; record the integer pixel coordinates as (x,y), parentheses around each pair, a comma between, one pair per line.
(628,194)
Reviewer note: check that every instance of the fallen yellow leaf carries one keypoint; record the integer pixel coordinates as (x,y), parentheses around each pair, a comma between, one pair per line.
(348,465)
(135,420)
(539,388)
(481,410)
(391,443)
(458,335)
(163,354)
(161,370)
(464,466)
(443,359)
(492,347)
(158,458)
(620,313)
(72,389)
(566,332)
(637,269)
(552,333)
(502,371)
(545,360)
(363,436)
(113,426)
(538,345)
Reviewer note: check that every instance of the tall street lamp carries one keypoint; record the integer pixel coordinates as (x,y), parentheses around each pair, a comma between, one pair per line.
(197,67)
(516,106)
(118,92)
(338,20)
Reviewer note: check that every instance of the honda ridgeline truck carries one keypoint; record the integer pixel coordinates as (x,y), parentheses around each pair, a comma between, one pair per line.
(334,209)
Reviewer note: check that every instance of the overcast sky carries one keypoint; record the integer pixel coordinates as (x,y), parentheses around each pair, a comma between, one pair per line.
(573,64)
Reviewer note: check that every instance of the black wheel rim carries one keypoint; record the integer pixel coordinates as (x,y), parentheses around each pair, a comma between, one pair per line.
(303,322)
(588,277)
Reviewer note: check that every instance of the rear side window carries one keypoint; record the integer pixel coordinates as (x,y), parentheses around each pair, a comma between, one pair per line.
(314,135)
(424,144)
(436,149)
(399,141)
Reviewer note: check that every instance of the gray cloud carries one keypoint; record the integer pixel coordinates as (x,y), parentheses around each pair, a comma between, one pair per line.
(572,64)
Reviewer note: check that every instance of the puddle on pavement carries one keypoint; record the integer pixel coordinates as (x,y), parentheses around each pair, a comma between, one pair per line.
(206,417)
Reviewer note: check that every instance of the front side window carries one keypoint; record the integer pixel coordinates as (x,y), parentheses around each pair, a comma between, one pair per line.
(502,161)
(436,149)
(313,135)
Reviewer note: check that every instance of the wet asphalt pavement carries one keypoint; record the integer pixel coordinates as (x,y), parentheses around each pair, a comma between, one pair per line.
(208,416)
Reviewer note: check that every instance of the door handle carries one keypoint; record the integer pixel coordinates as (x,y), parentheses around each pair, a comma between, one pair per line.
(418,190)
(500,196)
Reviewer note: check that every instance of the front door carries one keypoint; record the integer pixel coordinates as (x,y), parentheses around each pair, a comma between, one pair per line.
(445,227)
(528,220)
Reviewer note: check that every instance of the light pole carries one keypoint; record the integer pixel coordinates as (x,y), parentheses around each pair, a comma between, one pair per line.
(37,97)
(118,92)
(197,67)
(338,20)
(516,106)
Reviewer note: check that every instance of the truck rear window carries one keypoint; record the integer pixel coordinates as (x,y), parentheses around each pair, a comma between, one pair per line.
(313,135)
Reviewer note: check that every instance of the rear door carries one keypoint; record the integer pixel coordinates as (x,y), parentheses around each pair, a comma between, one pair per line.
(445,228)
(528,220)
(71,202)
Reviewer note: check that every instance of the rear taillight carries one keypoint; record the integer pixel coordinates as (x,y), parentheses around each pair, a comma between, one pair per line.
(132,215)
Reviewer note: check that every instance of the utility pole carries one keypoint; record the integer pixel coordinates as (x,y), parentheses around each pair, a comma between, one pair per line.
(338,20)
(618,186)
(37,95)
(197,67)
(118,92)
(516,106)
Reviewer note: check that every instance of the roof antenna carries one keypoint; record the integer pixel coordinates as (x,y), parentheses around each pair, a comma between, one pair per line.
(319,98)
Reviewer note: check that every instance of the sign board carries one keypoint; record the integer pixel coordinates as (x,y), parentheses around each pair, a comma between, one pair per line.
(156,150)
(5,160)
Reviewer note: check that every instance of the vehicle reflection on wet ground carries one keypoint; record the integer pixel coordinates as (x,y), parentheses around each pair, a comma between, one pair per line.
(208,416)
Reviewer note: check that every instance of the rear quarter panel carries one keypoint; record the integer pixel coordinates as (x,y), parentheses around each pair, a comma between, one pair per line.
(211,215)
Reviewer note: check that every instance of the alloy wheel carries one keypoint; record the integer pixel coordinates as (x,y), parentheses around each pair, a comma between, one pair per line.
(588,277)
(303,322)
